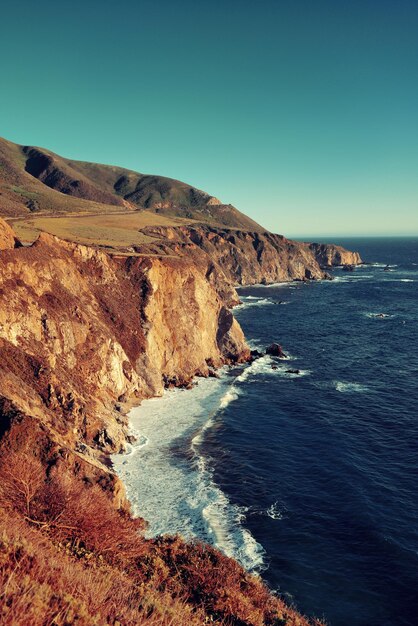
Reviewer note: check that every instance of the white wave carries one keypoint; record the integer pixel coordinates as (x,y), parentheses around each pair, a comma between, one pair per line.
(245,298)
(344,387)
(406,280)
(271,285)
(176,494)
(258,302)
(231,395)
(337,279)
(270,366)
(259,366)
(274,511)
(350,278)
(378,315)
(255,344)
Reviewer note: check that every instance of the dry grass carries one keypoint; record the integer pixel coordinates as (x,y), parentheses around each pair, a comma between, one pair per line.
(67,556)
(43,584)
(115,230)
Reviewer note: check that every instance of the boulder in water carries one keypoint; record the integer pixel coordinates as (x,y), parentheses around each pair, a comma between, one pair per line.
(275,349)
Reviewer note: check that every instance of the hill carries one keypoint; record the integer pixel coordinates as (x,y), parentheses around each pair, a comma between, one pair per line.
(35,180)
(83,334)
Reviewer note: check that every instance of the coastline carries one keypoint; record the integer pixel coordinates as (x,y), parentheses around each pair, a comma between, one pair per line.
(166,471)
(110,332)
(164,468)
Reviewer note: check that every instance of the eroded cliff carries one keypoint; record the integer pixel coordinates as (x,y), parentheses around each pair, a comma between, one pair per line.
(329,255)
(82,334)
(234,257)
(80,331)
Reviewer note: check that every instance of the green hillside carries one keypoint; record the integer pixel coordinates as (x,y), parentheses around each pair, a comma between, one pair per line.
(36,181)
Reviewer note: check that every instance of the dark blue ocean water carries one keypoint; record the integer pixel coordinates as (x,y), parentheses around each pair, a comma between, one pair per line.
(325,463)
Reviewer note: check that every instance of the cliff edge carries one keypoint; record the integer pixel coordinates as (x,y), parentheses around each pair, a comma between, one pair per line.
(83,334)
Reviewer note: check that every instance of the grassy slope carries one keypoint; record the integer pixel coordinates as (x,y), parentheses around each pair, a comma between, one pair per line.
(68,557)
(58,186)
(21,194)
(118,231)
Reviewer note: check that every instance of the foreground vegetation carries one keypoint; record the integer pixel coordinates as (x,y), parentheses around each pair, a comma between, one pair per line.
(69,557)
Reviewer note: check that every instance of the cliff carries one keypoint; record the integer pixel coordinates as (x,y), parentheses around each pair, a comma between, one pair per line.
(329,255)
(80,330)
(87,330)
(233,257)
(82,333)
(8,239)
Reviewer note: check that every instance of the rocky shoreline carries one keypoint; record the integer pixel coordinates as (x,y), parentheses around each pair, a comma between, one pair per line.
(84,335)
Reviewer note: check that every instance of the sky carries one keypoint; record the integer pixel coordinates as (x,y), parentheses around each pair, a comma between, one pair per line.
(303,114)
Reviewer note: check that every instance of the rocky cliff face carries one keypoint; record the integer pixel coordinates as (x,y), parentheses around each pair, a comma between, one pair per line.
(329,255)
(7,236)
(234,257)
(81,331)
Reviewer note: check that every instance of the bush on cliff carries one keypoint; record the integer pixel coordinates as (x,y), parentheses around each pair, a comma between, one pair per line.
(67,556)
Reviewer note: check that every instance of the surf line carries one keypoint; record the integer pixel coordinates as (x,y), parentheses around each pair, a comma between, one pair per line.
(178,496)
(224,520)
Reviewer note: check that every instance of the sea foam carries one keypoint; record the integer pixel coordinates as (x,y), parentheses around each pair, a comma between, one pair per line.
(345,387)
(251,301)
(170,482)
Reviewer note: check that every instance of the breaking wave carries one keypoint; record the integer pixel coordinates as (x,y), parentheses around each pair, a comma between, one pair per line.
(168,480)
(251,301)
(345,387)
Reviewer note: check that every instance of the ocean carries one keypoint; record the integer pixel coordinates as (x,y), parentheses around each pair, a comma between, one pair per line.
(307,471)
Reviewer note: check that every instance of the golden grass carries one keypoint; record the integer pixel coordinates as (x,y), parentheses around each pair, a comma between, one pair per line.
(115,230)
(67,556)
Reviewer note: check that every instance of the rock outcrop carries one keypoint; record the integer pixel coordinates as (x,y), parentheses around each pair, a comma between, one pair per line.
(8,239)
(234,257)
(81,331)
(82,334)
(329,255)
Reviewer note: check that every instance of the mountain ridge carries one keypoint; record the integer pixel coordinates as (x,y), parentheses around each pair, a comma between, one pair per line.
(106,185)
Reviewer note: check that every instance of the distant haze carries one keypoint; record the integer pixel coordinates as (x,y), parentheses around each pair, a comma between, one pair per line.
(301,114)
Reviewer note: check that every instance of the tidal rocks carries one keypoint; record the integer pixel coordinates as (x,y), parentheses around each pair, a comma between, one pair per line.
(275,349)
(256,354)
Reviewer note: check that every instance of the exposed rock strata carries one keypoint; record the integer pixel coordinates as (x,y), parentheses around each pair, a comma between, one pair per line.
(80,331)
(329,255)
(234,257)
(8,239)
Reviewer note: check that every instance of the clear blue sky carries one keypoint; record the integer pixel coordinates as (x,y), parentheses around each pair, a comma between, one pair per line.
(303,114)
